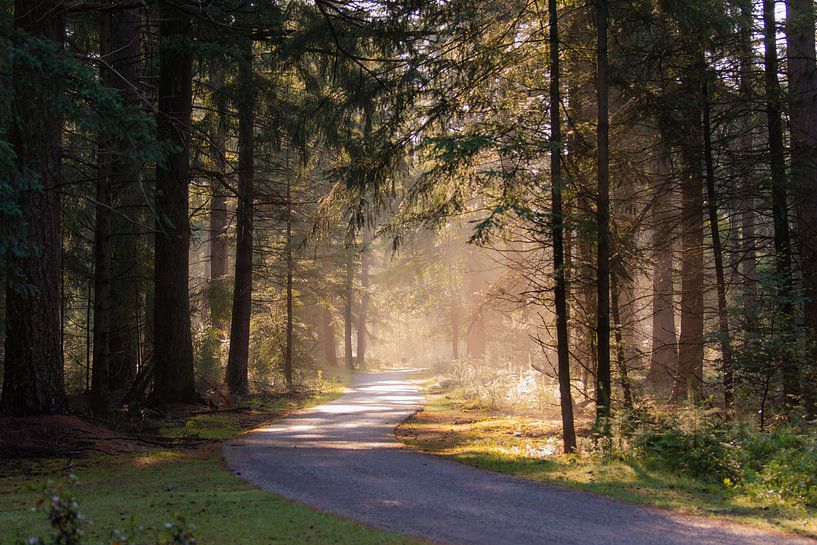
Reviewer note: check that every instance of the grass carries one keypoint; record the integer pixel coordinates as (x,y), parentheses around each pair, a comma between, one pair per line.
(151,488)
(222,425)
(530,448)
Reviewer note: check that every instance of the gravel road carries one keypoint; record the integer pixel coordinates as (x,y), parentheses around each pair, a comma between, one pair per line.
(342,458)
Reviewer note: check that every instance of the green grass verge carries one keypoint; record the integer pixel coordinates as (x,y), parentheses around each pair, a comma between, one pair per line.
(151,488)
(528,447)
(222,425)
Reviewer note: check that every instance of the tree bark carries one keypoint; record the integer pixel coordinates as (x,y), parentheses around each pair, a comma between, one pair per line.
(173,378)
(603,228)
(103,250)
(126,282)
(364,303)
(348,300)
(800,20)
(780,205)
(557,233)
(720,279)
(219,260)
(621,358)
(288,352)
(238,357)
(218,198)
(329,340)
(455,314)
(689,380)
(748,258)
(33,380)
(664,357)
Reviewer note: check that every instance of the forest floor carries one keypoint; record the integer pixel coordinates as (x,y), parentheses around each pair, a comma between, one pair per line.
(529,447)
(173,469)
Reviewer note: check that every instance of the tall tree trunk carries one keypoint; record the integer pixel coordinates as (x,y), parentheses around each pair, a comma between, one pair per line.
(664,358)
(746,204)
(288,354)
(475,331)
(218,201)
(126,250)
(689,380)
(173,378)
(329,340)
(780,205)
(557,232)
(455,314)
(364,303)
(603,228)
(348,301)
(102,233)
(621,358)
(237,359)
(800,39)
(720,279)
(33,380)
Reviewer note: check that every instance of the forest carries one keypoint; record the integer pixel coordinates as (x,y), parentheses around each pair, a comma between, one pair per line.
(577,239)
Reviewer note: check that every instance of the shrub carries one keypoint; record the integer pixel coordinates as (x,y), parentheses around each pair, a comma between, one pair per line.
(61,508)
(773,465)
(781,463)
(690,444)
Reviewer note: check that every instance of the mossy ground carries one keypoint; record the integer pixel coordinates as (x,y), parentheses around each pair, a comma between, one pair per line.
(530,448)
(152,488)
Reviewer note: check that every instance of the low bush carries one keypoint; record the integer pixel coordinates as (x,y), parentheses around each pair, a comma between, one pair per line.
(779,464)
(60,507)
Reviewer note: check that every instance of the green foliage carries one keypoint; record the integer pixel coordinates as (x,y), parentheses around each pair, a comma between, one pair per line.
(778,464)
(61,508)
(690,444)
(210,351)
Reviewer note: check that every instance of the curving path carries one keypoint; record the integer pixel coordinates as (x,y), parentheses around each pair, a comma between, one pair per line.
(342,458)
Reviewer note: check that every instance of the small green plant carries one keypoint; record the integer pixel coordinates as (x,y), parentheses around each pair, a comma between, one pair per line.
(60,506)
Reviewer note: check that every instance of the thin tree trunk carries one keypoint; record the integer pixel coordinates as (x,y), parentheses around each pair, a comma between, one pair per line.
(364,303)
(780,206)
(218,198)
(288,354)
(603,227)
(218,202)
(347,309)
(720,279)
(173,378)
(237,359)
(330,352)
(475,332)
(748,259)
(102,272)
(621,359)
(455,315)
(557,232)
(33,380)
